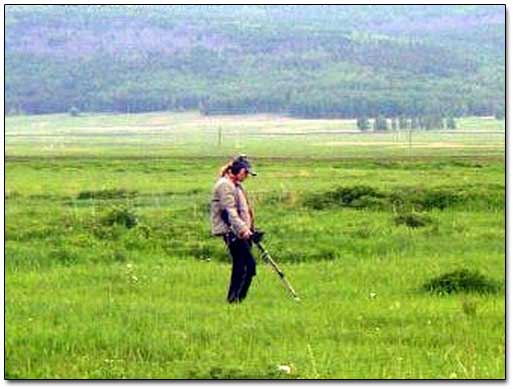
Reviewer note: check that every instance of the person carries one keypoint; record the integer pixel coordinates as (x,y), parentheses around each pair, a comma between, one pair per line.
(232,218)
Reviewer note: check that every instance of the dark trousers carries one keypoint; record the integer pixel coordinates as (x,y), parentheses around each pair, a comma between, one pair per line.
(243,269)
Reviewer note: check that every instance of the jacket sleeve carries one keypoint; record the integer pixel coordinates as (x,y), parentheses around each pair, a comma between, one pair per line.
(227,202)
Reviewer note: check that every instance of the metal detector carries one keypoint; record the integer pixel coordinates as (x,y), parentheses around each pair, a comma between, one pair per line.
(257,238)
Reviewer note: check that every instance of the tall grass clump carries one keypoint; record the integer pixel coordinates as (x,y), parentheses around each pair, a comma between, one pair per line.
(424,199)
(413,220)
(461,280)
(359,196)
(409,198)
(120,216)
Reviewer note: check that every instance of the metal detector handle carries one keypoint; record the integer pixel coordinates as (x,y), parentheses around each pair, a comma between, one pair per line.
(267,258)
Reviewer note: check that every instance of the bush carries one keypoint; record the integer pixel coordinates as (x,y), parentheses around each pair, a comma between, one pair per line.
(359,196)
(409,198)
(461,280)
(369,202)
(423,199)
(120,216)
(440,199)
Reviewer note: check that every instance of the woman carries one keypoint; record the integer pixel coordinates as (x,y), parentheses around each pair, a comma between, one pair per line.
(232,218)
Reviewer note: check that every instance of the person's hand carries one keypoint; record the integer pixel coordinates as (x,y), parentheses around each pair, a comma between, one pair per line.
(246,234)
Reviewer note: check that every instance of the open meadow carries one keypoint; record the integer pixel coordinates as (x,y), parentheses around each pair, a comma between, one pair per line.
(394,242)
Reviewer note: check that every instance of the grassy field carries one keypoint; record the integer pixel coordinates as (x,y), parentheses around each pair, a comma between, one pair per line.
(110,271)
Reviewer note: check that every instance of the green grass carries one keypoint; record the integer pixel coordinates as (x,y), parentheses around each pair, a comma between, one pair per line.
(86,297)
(160,135)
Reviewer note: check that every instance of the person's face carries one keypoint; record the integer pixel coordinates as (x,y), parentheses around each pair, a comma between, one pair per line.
(242,175)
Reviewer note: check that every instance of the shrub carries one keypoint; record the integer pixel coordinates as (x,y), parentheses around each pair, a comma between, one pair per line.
(461,280)
(348,195)
(423,199)
(359,196)
(440,199)
(120,216)
(369,202)
(408,198)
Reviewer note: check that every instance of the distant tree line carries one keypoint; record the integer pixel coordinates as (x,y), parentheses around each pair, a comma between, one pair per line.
(308,106)
(429,122)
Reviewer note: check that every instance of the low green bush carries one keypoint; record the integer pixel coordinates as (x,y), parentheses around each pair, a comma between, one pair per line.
(120,216)
(461,280)
(359,196)
(407,198)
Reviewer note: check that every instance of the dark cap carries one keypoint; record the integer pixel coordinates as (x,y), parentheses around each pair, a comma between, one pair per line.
(242,162)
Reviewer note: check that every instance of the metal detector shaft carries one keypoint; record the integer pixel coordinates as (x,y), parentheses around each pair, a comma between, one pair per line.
(267,257)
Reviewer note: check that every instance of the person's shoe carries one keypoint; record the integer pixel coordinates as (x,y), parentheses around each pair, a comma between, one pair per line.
(232,300)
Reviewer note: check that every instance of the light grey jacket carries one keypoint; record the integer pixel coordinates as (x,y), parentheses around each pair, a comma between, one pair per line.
(227,196)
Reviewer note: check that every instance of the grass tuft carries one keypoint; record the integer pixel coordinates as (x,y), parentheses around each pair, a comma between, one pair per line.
(413,220)
(121,216)
(461,280)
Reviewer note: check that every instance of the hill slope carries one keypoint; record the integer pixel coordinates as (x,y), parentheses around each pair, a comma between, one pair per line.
(310,61)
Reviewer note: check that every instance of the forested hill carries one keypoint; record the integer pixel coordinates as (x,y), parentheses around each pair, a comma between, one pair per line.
(308,61)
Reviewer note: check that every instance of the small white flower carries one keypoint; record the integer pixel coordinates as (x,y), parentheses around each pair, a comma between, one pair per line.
(128,265)
(372,295)
(284,368)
